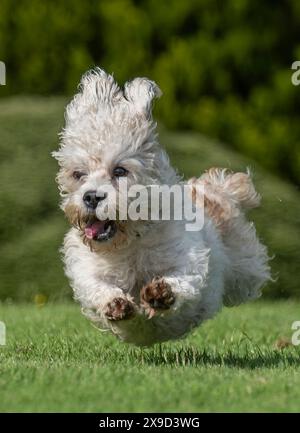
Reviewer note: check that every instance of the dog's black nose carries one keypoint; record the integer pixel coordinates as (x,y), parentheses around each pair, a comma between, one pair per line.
(91,198)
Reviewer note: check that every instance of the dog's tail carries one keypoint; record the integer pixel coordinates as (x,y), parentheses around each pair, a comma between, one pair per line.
(225,195)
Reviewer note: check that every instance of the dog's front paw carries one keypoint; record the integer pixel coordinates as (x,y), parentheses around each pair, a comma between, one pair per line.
(156,296)
(119,309)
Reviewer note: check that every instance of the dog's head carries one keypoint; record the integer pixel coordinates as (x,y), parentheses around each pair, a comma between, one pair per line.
(108,145)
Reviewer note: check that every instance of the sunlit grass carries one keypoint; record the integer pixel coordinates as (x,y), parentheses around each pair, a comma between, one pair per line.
(55,360)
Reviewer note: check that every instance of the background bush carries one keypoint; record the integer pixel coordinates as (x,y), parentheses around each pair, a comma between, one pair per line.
(224,66)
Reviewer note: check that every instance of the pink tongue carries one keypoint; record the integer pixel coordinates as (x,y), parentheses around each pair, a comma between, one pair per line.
(94,229)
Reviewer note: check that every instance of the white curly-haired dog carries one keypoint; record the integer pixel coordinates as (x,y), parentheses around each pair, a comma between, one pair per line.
(148,281)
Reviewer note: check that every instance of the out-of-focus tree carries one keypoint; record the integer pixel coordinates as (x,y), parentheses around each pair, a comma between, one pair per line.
(224,66)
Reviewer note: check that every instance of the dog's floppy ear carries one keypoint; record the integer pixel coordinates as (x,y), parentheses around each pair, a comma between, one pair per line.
(140,92)
(98,91)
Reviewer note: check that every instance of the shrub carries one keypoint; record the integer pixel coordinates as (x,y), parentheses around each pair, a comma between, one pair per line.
(224,66)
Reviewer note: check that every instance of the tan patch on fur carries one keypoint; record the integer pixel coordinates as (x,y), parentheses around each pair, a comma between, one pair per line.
(218,209)
(225,194)
(236,186)
(75,216)
(156,295)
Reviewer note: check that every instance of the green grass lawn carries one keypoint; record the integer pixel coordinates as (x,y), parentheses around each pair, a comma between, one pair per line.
(55,360)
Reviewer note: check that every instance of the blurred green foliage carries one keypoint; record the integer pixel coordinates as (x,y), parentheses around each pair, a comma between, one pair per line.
(224,66)
(32,226)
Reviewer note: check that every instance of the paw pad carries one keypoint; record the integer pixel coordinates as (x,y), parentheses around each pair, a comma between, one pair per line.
(156,295)
(119,309)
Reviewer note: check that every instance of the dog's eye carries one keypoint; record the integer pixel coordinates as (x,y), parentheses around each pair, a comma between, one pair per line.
(77,175)
(120,172)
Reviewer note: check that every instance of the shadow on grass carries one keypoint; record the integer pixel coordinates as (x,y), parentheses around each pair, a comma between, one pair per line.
(247,358)
(244,356)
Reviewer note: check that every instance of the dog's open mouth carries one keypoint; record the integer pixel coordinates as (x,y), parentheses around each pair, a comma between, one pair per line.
(100,230)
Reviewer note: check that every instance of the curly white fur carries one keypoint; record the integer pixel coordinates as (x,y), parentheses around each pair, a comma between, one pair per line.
(224,263)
